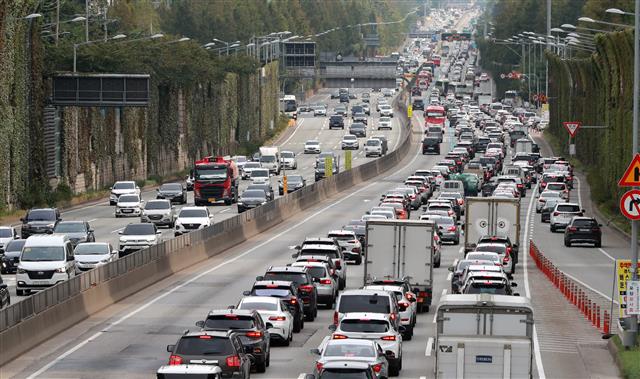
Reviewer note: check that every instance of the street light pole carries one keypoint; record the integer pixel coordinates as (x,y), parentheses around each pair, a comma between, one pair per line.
(636,98)
(546,65)
(86,21)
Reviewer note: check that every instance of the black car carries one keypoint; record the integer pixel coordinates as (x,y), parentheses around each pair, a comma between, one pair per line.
(489,186)
(583,230)
(222,348)
(250,328)
(39,221)
(360,117)
(547,209)
(418,104)
(294,183)
(358,129)
(336,121)
(304,282)
(356,109)
(11,256)
(77,231)
(5,296)
(173,192)
(266,187)
(431,145)
(251,199)
(344,98)
(287,291)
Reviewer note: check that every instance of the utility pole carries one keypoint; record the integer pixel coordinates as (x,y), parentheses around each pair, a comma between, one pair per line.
(546,74)
(636,97)
(86,21)
(57,20)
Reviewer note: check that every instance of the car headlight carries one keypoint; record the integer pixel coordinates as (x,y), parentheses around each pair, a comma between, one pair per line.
(51,225)
(61,270)
(178,226)
(21,271)
(104,261)
(240,203)
(263,203)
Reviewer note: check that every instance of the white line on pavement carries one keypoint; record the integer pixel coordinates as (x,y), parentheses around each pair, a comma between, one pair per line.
(427,351)
(92,220)
(606,254)
(578,188)
(449,277)
(536,342)
(117,230)
(225,210)
(294,132)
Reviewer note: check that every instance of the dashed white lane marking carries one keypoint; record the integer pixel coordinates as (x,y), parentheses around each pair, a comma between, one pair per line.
(427,351)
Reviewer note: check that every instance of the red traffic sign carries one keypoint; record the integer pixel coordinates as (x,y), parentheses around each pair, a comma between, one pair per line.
(631,177)
(630,205)
(572,127)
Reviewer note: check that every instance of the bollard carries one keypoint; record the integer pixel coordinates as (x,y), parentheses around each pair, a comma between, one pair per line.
(606,327)
(589,310)
(598,317)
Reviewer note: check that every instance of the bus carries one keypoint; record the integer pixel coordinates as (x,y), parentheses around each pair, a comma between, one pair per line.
(510,97)
(290,106)
(435,115)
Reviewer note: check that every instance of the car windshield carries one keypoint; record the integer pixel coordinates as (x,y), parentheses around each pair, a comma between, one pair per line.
(287,154)
(229,321)
(275,292)
(268,159)
(364,303)
(258,306)
(129,199)
(70,227)
(204,345)
(5,233)
(253,194)
(373,142)
(364,326)
(493,248)
(349,350)
(327,253)
(41,215)
(297,278)
(317,272)
(174,187)
(92,249)
(251,165)
(555,186)
(496,288)
(138,229)
(341,237)
(193,213)
(350,138)
(568,208)
(124,185)
(260,174)
(483,257)
(313,143)
(211,173)
(15,245)
(294,179)
(584,223)
(157,205)
(42,253)
(549,195)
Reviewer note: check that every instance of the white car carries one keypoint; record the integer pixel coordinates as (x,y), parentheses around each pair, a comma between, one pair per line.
(159,212)
(559,187)
(273,311)
(192,218)
(123,188)
(240,160)
(288,160)
(544,197)
(386,110)
(373,146)
(319,110)
(260,176)
(326,284)
(7,234)
(385,123)
(312,147)
(89,255)
(351,350)
(129,205)
(374,327)
(349,141)
(248,168)
(137,236)
(407,304)
(562,215)
(348,240)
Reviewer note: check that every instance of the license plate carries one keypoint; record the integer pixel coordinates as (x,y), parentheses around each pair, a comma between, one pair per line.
(212,200)
(584,229)
(127,210)
(40,282)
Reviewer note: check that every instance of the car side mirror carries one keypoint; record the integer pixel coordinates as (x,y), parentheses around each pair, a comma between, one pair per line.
(315,351)
(583,211)
(49,231)
(157,189)
(170,348)
(450,268)
(259,277)
(268,325)
(516,294)
(137,187)
(246,293)
(316,280)
(120,232)
(600,225)
(332,328)
(389,354)
(114,252)
(200,324)
(158,232)
(294,255)
(402,329)
(22,219)
(91,230)
(514,284)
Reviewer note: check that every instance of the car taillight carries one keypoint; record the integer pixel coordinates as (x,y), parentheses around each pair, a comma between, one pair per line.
(306,288)
(505,260)
(460,201)
(254,334)
(339,337)
(335,318)
(450,213)
(572,228)
(543,184)
(519,185)
(319,366)
(409,296)
(277,318)
(338,264)
(388,338)
(175,360)
(556,213)
(393,316)
(293,300)
(355,250)
(233,361)
(353,241)
(376,368)
(543,200)
(325,281)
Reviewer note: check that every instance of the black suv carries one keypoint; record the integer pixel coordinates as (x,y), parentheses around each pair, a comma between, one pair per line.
(285,290)
(5,296)
(250,328)
(301,277)
(418,104)
(173,192)
(224,349)
(431,145)
(336,121)
(39,221)
(583,230)
(11,256)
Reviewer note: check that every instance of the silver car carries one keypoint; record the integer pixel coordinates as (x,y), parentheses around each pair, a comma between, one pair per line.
(353,350)
(325,282)
(544,197)
(562,215)
(159,212)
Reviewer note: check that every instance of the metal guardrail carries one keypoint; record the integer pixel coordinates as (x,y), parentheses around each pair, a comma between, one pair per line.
(41,301)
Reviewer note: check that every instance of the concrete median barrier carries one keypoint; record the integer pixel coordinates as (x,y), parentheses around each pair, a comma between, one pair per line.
(47,313)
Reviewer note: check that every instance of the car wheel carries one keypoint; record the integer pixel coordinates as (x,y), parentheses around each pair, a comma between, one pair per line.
(437,263)
(552,228)
(456,241)
(342,285)
(268,360)
(20,292)
(394,368)
(297,325)
(567,243)
(288,340)
(598,244)
(310,316)
(330,303)
(538,211)
(261,366)
(359,260)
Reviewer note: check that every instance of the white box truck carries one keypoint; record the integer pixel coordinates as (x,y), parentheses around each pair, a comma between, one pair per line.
(401,249)
(484,336)
(491,217)
(270,159)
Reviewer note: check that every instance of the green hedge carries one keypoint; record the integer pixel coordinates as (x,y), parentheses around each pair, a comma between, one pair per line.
(597,90)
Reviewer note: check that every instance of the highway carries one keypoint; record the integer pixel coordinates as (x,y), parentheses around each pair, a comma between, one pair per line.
(101,215)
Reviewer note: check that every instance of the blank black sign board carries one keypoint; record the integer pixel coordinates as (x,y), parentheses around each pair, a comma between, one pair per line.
(102,90)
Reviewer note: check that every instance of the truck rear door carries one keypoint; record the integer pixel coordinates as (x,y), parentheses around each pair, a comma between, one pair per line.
(416,252)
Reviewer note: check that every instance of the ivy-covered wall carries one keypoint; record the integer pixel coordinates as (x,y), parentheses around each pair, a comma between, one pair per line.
(182,123)
(597,91)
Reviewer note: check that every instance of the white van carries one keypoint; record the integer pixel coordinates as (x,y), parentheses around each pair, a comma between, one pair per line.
(453,186)
(45,260)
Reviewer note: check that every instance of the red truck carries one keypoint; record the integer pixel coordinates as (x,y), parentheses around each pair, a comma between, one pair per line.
(215,179)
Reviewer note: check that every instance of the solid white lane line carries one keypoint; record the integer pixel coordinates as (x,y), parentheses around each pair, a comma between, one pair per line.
(117,230)
(225,210)
(188,282)
(444,292)
(578,188)
(294,132)
(92,220)
(536,342)
(427,351)
(606,254)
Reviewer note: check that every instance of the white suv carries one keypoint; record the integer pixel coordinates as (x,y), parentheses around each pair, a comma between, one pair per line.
(123,188)
(373,147)
(384,123)
(137,236)
(192,218)
(562,215)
